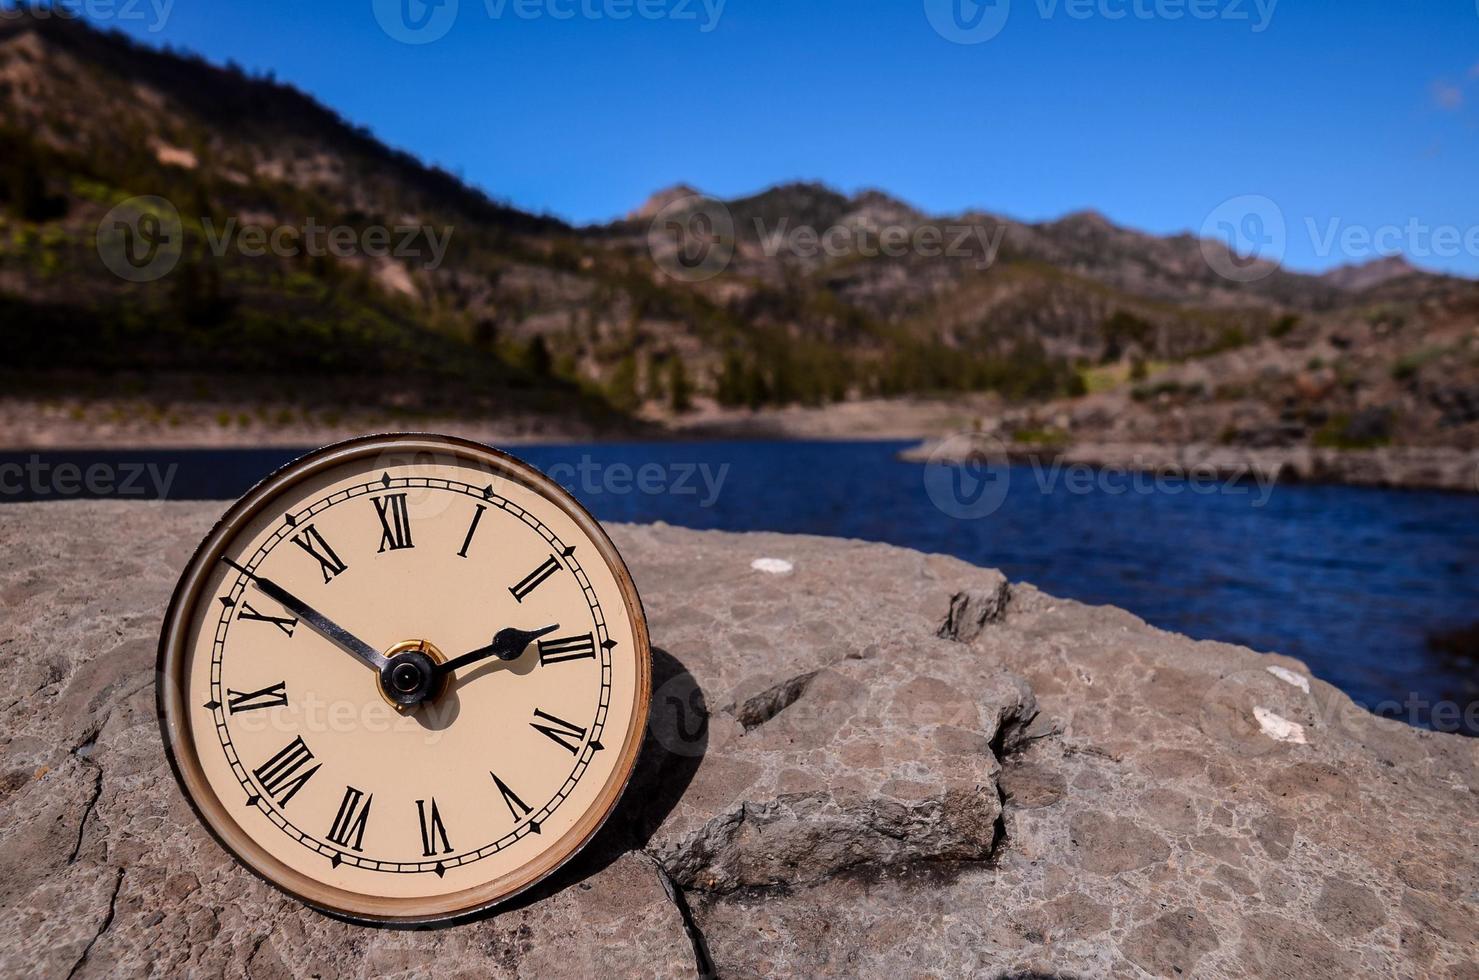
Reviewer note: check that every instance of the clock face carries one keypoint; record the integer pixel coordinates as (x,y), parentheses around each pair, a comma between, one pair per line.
(404,678)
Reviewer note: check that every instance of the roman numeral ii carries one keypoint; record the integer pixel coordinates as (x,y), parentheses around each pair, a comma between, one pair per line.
(533,580)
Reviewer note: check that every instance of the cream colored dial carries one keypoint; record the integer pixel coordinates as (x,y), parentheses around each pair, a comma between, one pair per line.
(309,611)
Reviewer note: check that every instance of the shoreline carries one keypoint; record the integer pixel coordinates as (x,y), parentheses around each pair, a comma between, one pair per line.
(1394,468)
(34,426)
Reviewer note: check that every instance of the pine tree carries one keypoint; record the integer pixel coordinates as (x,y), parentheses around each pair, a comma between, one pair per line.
(680,392)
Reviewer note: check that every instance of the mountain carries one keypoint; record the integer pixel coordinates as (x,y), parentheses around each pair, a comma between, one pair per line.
(797,294)
(1361,276)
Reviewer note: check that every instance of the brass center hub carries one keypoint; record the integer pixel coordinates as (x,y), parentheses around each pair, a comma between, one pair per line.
(410,675)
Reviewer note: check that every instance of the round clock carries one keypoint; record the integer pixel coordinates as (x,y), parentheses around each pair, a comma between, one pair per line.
(404,678)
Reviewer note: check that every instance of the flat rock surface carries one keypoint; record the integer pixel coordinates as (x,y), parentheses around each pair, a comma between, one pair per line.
(876,762)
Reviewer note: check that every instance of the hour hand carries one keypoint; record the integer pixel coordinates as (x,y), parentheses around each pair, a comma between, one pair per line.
(341,637)
(507,645)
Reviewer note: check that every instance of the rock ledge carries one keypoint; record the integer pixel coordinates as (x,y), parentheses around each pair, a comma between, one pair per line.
(879,763)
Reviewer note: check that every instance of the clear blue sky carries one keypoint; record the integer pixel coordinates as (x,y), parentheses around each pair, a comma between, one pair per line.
(1361,111)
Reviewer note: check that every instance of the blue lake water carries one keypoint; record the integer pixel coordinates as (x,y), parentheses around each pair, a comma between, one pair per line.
(1353,581)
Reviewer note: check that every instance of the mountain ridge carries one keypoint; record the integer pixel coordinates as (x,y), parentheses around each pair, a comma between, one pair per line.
(530,306)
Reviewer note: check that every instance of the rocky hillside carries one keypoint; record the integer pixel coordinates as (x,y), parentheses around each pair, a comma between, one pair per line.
(879,763)
(802,296)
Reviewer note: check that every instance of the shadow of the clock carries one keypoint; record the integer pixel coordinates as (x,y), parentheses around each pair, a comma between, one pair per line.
(677,738)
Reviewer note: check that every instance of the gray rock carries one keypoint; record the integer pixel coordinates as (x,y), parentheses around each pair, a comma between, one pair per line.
(875,764)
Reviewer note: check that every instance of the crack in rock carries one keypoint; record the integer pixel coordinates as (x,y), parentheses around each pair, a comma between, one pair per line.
(972,609)
(92,802)
(102,927)
(703,961)
(762,707)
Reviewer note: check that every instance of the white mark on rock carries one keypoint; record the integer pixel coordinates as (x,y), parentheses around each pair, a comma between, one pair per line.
(1290,677)
(1279,729)
(772,566)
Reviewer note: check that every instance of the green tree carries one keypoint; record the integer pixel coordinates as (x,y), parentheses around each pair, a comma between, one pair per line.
(622,387)
(680,392)
(730,386)
(537,360)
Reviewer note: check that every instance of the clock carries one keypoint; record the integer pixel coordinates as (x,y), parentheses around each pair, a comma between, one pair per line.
(404,678)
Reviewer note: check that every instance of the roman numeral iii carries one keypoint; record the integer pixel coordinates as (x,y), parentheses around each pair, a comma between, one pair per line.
(431,829)
(350,820)
(273,696)
(533,580)
(395,522)
(565,648)
(312,542)
(283,775)
(560,731)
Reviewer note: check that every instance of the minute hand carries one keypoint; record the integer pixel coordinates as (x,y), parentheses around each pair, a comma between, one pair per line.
(340,636)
